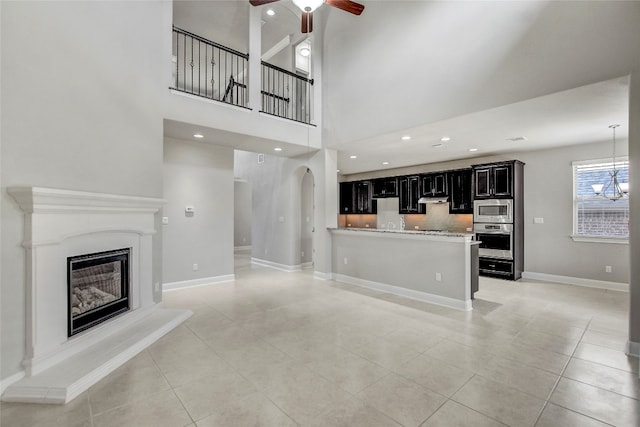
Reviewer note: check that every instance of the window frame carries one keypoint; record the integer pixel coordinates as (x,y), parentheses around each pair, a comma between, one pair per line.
(592,238)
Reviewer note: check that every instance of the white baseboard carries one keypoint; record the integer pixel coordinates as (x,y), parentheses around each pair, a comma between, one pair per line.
(633,348)
(172,286)
(11,379)
(601,284)
(404,292)
(322,276)
(305,265)
(241,248)
(277,266)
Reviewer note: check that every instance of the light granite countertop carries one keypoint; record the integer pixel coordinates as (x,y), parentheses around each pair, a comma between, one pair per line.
(398,231)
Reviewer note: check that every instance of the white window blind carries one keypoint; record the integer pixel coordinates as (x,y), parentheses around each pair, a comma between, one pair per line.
(597,216)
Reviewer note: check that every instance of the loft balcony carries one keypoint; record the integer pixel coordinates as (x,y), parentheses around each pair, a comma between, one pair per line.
(209,70)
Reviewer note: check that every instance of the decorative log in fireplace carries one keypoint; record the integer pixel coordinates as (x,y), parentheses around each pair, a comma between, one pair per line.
(98,288)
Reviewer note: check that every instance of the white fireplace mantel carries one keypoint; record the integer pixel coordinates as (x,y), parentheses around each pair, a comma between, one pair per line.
(63,223)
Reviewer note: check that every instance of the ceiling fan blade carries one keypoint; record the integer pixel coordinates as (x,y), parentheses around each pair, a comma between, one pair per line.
(261,2)
(346,5)
(307,22)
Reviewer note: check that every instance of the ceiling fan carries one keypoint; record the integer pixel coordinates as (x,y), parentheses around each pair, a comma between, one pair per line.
(308,6)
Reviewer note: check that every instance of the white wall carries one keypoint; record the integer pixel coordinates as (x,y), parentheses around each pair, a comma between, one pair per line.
(76,120)
(495,53)
(277,198)
(200,175)
(242,214)
(548,193)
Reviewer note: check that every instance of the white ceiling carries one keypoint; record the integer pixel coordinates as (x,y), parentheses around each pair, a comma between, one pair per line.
(577,116)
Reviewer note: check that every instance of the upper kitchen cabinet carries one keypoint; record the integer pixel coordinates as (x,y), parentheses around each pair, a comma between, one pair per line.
(384,187)
(496,180)
(409,192)
(346,197)
(355,198)
(434,185)
(460,191)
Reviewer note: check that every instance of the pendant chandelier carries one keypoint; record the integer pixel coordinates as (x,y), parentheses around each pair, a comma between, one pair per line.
(612,189)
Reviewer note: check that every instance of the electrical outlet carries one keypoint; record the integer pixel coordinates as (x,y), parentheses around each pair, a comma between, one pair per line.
(438,277)
(607,269)
(417,227)
(346,261)
(165,220)
(366,226)
(302,253)
(195,267)
(538,220)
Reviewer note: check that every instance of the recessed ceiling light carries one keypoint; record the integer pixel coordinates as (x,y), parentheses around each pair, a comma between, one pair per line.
(271,12)
(338,170)
(445,139)
(353,157)
(277,149)
(305,51)
(198,135)
(406,137)
(385,163)
(437,145)
(473,149)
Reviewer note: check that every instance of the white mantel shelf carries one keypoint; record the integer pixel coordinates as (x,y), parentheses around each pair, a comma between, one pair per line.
(40,199)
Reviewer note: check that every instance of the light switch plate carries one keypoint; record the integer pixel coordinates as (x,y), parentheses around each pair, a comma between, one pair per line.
(538,220)
(165,220)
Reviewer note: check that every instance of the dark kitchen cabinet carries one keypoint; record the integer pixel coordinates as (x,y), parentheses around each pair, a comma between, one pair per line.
(409,192)
(346,197)
(384,187)
(364,203)
(355,198)
(494,181)
(434,185)
(460,192)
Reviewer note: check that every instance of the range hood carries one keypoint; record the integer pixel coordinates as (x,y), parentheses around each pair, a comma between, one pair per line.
(426,200)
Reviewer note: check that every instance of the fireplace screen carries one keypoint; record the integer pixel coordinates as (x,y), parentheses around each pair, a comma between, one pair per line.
(98,286)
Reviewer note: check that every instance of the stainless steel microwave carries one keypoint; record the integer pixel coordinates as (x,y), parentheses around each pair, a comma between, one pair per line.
(493,211)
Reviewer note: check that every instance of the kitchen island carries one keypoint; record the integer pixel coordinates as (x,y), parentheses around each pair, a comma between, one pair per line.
(435,267)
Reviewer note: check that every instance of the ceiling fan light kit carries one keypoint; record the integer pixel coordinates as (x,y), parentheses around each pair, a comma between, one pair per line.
(308,6)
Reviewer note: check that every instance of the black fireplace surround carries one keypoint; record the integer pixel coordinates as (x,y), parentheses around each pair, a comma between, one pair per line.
(97,288)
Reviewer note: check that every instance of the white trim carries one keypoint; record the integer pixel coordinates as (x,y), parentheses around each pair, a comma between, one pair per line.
(578,281)
(599,239)
(306,265)
(54,200)
(10,380)
(619,159)
(277,266)
(210,101)
(241,248)
(404,292)
(633,348)
(322,276)
(172,286)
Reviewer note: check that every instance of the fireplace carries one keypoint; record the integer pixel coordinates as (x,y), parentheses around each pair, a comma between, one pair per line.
(98,288)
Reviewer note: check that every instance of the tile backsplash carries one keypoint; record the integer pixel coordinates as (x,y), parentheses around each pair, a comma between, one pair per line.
(436,218)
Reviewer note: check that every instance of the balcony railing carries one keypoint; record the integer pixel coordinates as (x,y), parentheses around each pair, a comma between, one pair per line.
(285,94)
(208,69)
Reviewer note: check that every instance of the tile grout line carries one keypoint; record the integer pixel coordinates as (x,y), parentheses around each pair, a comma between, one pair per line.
(548,399)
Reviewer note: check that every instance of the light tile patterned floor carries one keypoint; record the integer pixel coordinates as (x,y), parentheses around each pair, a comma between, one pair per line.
(284,349)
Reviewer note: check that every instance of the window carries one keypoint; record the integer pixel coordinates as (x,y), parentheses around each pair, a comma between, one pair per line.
(597,218)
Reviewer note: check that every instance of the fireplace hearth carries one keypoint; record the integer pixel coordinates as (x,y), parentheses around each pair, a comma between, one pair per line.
(98,288)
